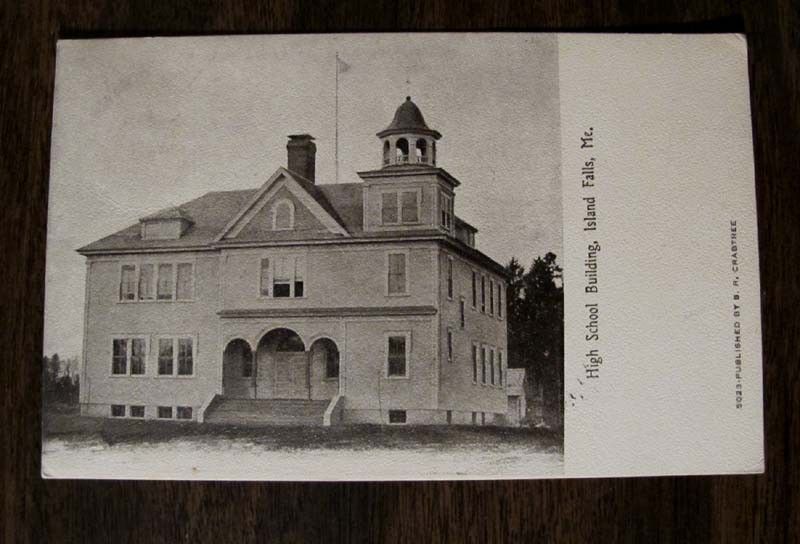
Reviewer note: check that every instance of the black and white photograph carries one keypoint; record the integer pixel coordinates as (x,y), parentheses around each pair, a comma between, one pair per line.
(328,257)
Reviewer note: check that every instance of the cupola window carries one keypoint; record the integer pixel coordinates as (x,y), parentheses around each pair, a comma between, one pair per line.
(402,151)
(422,151)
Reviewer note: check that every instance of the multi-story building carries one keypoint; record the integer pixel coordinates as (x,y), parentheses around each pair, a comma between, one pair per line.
(302,302)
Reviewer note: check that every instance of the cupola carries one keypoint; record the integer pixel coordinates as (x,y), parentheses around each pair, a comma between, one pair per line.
(408,140)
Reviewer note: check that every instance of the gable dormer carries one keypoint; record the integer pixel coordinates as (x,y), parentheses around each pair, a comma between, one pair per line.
(167,224)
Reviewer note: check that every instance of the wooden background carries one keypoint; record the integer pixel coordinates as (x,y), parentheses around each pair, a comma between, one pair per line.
(696,509)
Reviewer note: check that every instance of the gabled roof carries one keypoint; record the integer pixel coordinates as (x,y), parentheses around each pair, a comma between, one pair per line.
(214,212)
(301,188)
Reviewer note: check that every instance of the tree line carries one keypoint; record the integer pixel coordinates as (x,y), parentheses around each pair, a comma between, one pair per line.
(60,379)
(536,331)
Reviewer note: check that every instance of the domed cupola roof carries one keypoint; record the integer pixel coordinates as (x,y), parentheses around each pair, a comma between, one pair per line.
(407,119)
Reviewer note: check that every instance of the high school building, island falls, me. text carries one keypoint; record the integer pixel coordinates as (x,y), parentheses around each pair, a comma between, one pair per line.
(299,302)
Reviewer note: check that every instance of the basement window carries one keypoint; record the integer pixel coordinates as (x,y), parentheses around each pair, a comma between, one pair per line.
(397,416)
(117,410)
(137,411)
(184,412)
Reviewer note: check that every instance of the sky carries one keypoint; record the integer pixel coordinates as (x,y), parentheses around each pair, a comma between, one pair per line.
(142,124)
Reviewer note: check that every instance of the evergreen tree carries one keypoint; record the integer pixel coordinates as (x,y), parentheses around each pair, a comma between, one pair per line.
(536,328)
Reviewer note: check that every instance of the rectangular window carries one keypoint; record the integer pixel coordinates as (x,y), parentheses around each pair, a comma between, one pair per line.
(474,363)
(389,208)
(446,210)
(409,207)
(184,289)
(117,410)
(138,354)
(127,282)
(119,356)
(137,411)
(397,416)
(450,278)
(483,294)
(500,300)
(184,412)
(483,365)
(491,365)
(397,355)
(449,417)
(165,280)
(474,418)
(264,289)
(287,276)
(165,357)
(185,357)
(299,276)
(491,297)
(474,289)
(461,310)
(147,282)
(450,345)
(500,366)
(165,412)
(397,274)
(282,277)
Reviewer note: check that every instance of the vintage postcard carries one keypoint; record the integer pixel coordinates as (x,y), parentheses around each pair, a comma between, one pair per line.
(402,257)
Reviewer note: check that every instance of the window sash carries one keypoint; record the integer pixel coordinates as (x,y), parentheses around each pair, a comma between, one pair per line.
(474,289)
(138,348)
(147,282)
(500,300)
(483,294)
(474,363)
(397,349)
(500,365)
(397,273)
(184,412)
(286,275)
(165,412)
(165,356)
(491,366)
(184,289)
(462,310)
(165,286)
(483,365)
(409,207)
(127,282)
(265,283)
(185,357)
(119,356)
(449,278)
(389,210)
(449,345)
(491,297)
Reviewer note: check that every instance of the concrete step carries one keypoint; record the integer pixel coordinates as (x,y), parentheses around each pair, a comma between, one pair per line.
(267,411)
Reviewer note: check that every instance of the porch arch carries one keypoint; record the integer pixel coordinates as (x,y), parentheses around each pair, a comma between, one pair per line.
(238,369)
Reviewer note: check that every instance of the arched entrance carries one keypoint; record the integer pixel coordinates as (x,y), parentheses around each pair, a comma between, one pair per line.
(238,370)
(324,369)
(282,366)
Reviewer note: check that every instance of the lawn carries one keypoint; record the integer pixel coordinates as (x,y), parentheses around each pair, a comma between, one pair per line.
(74,428)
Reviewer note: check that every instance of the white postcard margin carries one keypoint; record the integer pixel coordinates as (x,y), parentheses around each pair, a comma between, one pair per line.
(671,384)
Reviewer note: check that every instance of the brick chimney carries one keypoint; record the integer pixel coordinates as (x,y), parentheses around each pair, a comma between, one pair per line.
(301,152)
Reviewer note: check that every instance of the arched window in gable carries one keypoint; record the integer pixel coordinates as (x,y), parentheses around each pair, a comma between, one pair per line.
(283,215)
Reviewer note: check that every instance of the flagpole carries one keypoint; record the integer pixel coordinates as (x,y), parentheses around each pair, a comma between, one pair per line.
(336,122)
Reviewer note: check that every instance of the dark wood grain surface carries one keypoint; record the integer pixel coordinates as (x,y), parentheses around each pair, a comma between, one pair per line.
(762,508)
